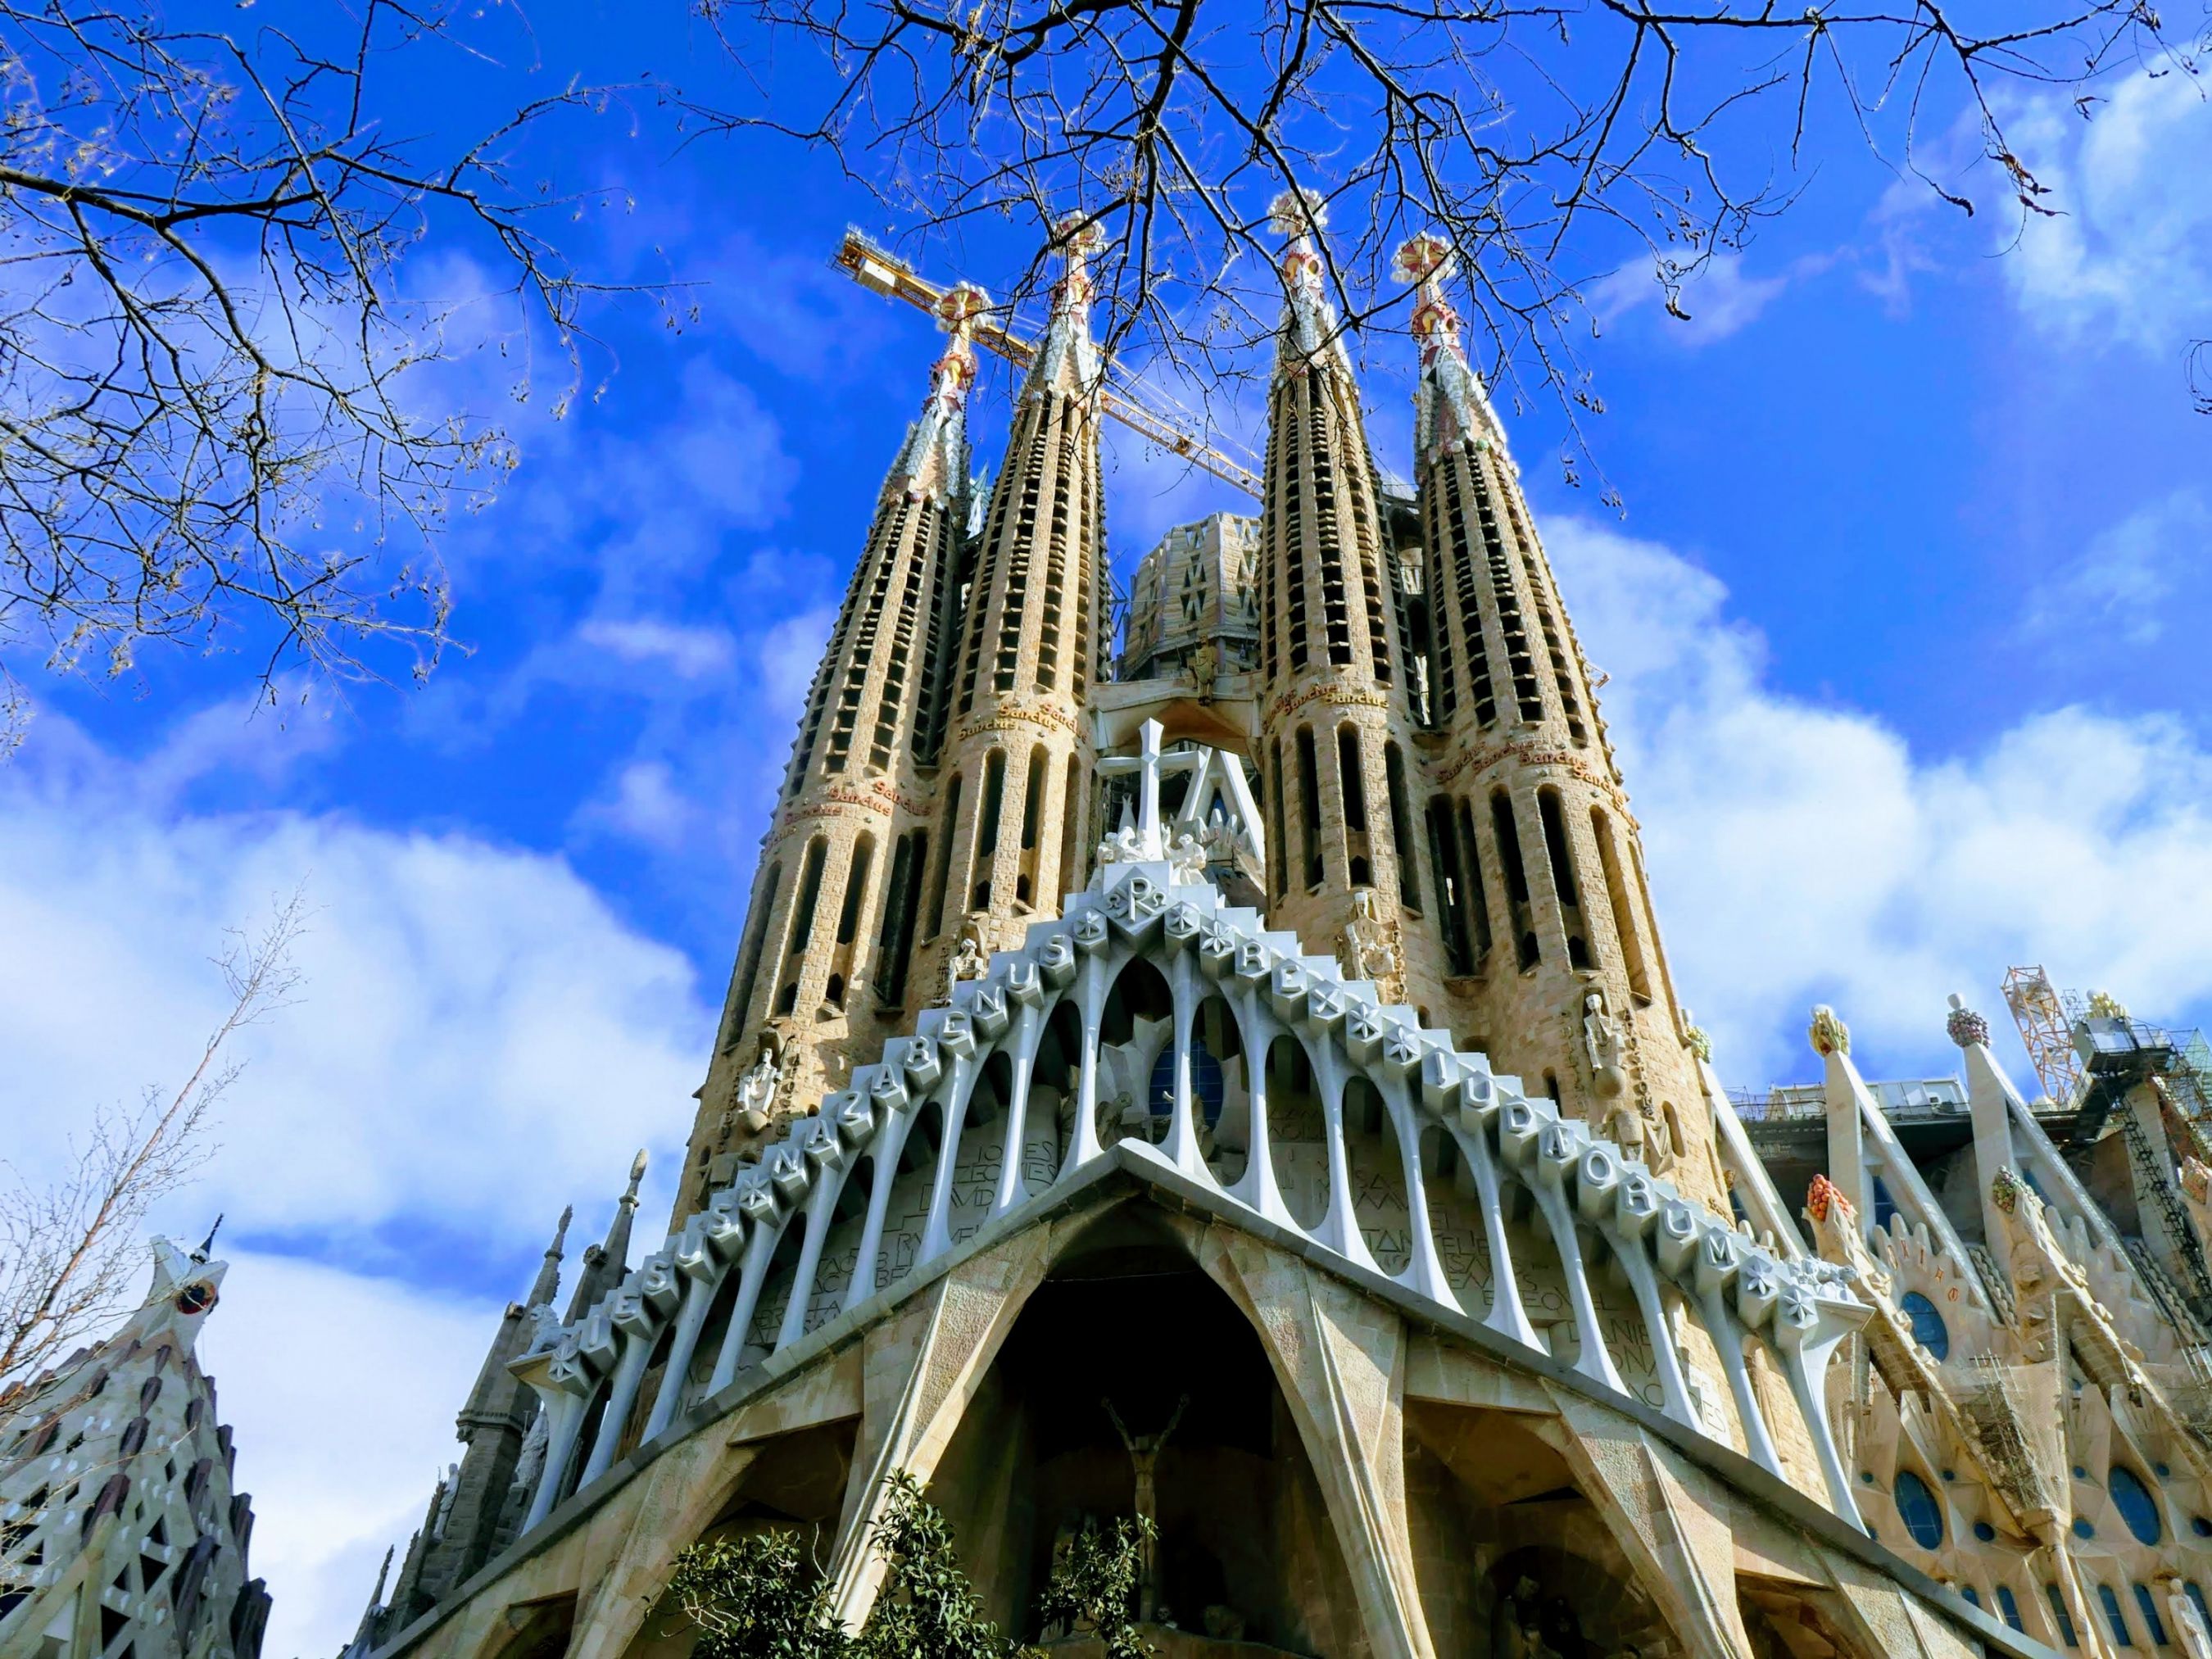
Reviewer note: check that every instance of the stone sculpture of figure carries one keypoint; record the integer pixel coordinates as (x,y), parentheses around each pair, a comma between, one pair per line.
(530,1464)
(1205,666)
(971,957)
(1369,948)
(1144,1459)
(757,1089)
(1187,855)
(1602,1043)
(1124,845)
(1623,1125)
(1523,1635)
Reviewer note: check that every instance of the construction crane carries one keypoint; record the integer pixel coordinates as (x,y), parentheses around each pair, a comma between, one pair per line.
(880,271)
(2046,1031)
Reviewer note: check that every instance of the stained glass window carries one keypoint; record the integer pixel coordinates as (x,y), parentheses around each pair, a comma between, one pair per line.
(2136,1506)
(2061,1616)
(2111,1600)
(1918,1508)
(2148,1608)
(1928,1327)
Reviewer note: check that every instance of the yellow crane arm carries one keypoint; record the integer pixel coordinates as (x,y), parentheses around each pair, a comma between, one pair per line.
(883,272)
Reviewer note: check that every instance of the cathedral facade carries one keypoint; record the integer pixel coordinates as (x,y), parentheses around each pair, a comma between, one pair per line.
(1241,1083)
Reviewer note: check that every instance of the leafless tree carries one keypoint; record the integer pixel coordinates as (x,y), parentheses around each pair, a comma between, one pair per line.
(220,423)
(71,1249)
(1546,139)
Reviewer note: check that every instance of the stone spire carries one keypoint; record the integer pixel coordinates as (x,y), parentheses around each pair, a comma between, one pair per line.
(607,1263)
(1551,945)
(492,1424)
(847,843)
(1014,777)
(1335,724)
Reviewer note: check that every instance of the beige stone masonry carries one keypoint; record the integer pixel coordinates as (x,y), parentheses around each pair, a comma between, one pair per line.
(921,1368)
(1669,1518)
(1340,1360)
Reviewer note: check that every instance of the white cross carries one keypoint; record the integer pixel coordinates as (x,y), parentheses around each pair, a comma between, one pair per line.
(1147,763)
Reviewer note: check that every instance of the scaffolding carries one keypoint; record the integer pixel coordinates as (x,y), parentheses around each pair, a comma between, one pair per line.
(2046,1031)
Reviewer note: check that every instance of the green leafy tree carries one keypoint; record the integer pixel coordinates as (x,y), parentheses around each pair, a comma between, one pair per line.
(1094,1587)
(759,1597)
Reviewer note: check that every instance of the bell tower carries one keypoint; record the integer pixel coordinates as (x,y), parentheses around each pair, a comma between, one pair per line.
(1336,719)
(1013,778)
(824,969)
(1552,948)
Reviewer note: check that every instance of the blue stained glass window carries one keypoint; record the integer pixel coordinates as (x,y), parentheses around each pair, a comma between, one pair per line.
(2152,1623)
(1971,1594)
(2083,1528)
(2111,1600)
(1928,1327)
(1205,1084)
(2059,1616)
(1985,1532)
(2010,1608)
(1918,1508)
(2196,1597)
(2200,1526)
(1885,1206)
(2136,1506)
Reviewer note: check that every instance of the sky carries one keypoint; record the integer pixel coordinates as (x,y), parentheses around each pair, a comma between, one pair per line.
(1898,618)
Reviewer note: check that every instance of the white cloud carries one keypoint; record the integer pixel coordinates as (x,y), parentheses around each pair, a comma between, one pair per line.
(2127,256)
(1802,854)
(2122,584)
(647,806)
(790,651)
(314,1365)
(688,652)
(480,1039)
(1721,298)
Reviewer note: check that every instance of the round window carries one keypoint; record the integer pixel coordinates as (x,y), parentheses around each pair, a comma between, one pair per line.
(1928,1327)
(1918,1508)
(2136,1506)
(195,1297)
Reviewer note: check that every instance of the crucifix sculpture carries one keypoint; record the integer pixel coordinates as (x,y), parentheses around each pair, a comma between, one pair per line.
(1144,1456)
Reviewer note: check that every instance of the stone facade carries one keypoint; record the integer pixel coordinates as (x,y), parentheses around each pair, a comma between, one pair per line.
(120,1533)
(1250,1089)
(1194,603)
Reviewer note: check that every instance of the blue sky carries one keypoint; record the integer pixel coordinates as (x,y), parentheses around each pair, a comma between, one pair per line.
(1903,619)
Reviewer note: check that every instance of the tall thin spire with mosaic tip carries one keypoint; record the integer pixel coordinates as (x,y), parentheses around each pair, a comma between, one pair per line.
(825,959)
(1335,724)
(1014,783)
(1552,946)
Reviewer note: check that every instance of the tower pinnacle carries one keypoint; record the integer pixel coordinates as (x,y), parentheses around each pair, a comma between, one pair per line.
(1067,357)
(933,462)
(1311,330)
(1450,405)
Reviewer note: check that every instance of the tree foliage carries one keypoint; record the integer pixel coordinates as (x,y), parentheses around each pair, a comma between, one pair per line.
(758,1596)
(1095,1585)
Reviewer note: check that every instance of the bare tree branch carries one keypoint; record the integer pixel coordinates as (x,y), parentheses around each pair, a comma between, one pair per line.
(218,427)
(1545,140)
(69,1249)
